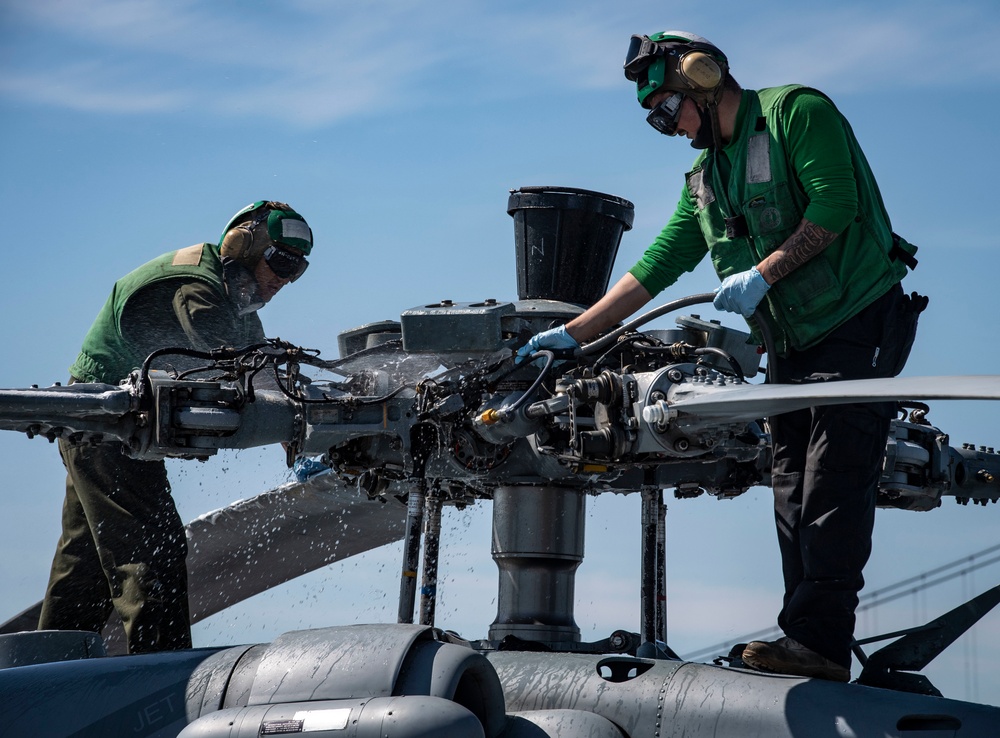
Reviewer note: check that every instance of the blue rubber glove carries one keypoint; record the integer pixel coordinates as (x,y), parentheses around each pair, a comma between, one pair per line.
(554,338)
(741,293)
(304,468)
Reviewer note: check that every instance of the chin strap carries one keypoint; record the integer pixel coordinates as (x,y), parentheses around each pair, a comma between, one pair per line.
(709,133)
(241,286)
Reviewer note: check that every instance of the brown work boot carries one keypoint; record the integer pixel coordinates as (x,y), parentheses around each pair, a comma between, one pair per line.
(788,656)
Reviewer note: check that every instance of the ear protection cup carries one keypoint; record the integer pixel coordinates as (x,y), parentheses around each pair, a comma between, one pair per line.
(700,71)
(236,243)
(249,233)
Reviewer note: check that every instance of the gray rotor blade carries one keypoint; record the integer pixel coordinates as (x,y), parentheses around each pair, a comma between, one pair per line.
(749,402)
(267,540)
(255,544)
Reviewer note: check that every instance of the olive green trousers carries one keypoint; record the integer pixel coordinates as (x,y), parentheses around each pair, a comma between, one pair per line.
(123,547)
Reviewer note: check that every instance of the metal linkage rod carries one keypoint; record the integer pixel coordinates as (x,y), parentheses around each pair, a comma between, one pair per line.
(661,567)
(432,546)
(648,588)
(411,552)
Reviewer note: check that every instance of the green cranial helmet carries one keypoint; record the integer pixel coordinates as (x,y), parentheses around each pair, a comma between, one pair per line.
(677,61)
(261,224)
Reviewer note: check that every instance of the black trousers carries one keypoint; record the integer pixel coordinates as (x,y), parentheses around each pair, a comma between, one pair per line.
(122,546)
(827,463)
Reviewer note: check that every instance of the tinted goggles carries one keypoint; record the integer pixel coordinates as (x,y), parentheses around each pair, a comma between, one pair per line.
(286,264)
(641,51)
(664,116)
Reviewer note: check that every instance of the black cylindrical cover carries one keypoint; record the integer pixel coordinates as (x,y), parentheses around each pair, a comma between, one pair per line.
(566,241)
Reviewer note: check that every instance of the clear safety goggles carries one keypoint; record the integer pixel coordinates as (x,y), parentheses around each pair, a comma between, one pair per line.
(284,263)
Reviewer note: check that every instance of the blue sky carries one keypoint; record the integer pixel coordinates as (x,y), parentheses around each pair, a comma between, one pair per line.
(132,128)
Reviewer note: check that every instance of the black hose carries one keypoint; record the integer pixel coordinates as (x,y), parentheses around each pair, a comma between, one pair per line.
(620,345)
(730,359)
(145,387)
(602,343)
(519,402)
(349,400)
(765,331)
(523,364)
(759,316)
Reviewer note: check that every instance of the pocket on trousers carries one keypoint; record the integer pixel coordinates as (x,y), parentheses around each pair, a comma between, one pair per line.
(899,342)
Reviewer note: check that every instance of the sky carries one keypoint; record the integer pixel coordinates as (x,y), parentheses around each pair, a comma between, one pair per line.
(136,127)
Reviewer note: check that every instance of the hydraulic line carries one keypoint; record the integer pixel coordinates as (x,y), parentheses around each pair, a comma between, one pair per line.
(506,413)
(729,358)
(765,331)
(609,338)
(223,353)
(549,359)
(350,400)
(607,341)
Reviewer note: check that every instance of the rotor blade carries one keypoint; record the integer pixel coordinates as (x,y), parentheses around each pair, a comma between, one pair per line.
(25,620)
(255,544)
(749,402)
(259,543)
(914,651)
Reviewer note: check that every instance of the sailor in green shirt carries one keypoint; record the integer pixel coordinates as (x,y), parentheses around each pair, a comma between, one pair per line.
(123,545)
(784,202)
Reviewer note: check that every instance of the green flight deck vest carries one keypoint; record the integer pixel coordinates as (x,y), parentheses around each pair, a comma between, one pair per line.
(851,273)
(106,356)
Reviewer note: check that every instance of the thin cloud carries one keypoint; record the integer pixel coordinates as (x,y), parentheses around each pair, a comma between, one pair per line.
(85,87)
(865,49)
(308,67)
(312,63)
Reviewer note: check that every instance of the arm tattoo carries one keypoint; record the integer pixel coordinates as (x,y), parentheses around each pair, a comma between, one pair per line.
(808,240)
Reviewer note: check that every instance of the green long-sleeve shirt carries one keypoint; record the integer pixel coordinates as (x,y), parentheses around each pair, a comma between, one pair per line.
(819,155)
